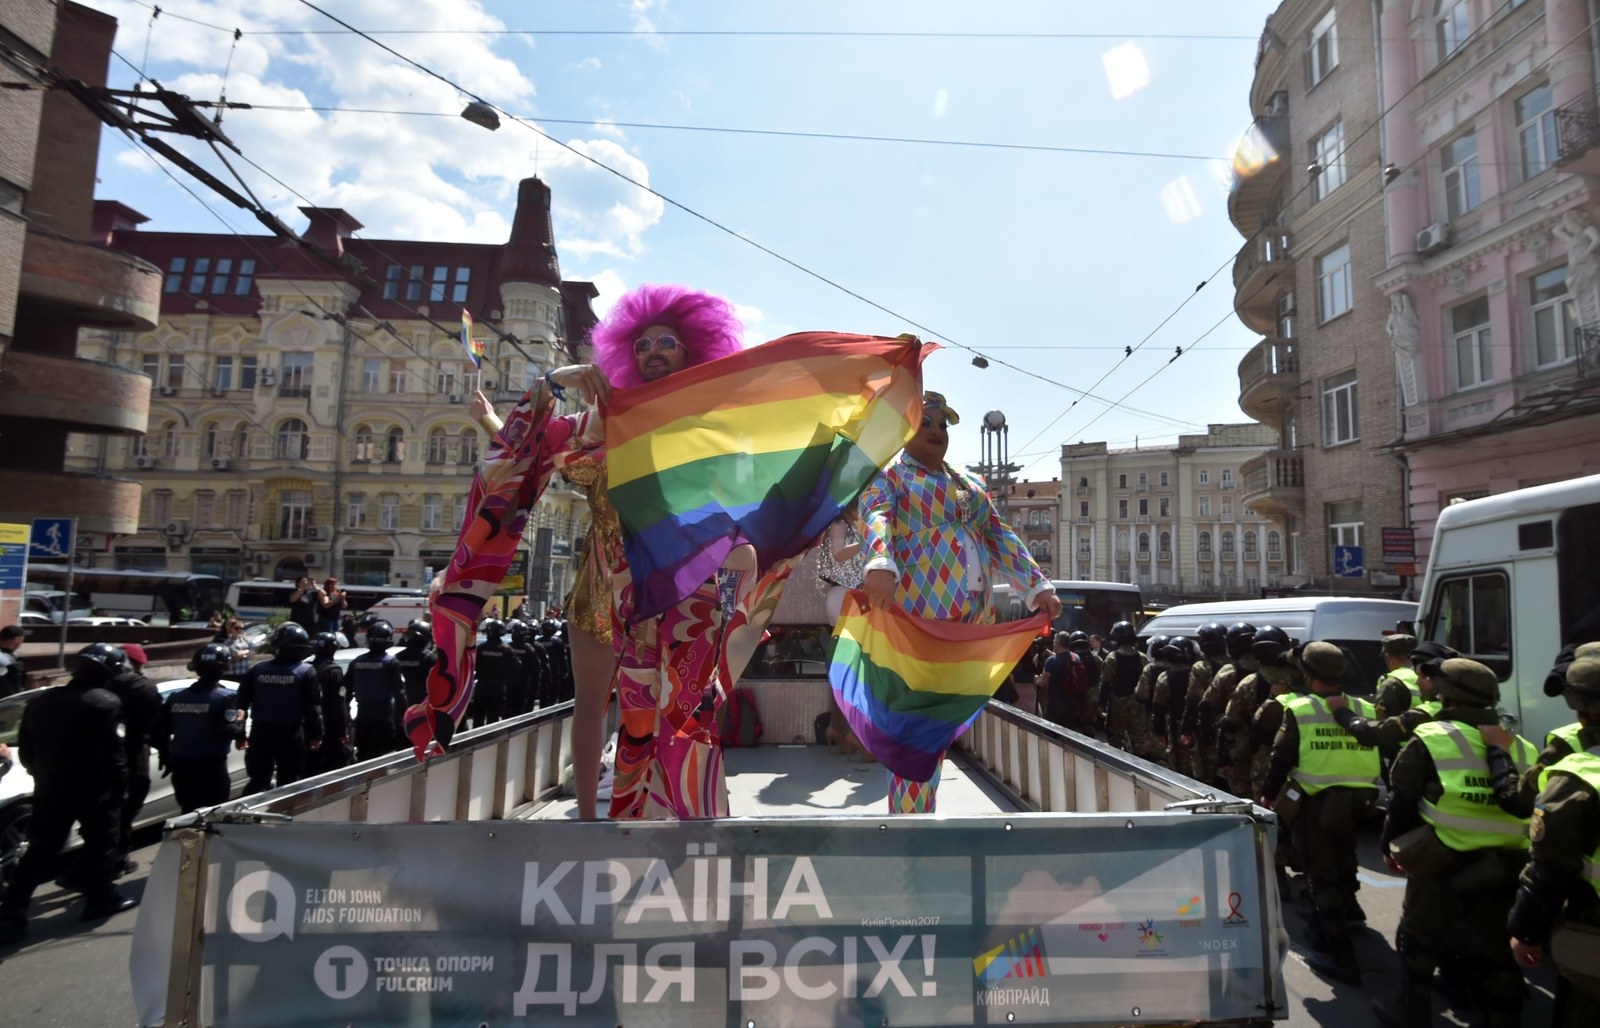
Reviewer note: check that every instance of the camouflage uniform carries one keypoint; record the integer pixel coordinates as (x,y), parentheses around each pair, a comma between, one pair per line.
(1125,715)
(1249,723)
(1167,705)
(1199,723)
(1216,699)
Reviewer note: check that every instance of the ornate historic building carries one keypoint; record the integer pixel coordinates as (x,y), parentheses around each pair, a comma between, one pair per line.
(302,419)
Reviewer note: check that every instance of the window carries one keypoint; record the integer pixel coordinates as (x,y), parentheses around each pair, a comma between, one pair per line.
(414,283)
(1144,542)
(174,281)
(198,274)
(295,378)
(238,506)
(247,372)
(1164,506)
(1344,523)
(1323,54)
(1227,477)
(1205,543)
(432,517)
(175,371)
(1166,542)
(1203,506)
(1339,409)
(458,512)
(1165,479)
(167,439)
(391,282)
(1459,158)
(1083,508)
(442,287)
(394,446)
(1286,316)
(294,441)
(363,448)
(468,451)
(220,276)
(1473,615)
(161,507)
(444,380)
(1227,544)
(294,514)
(1274,543)
(222,374)
(150,364)
(1536,131)
(211,441)
(1470,325)
(438,446)
(1144,508)
(1327,154)
(1122,509)
(1122,481)
(1227,505)
(1144,480)
(1555,319)
(389,512)
(1205,476)
(247,278)
(371,374)
(1450,28)
(397,376)
(1083,572)
(1335,294)
(241,440)
(355,511)
(1250,543)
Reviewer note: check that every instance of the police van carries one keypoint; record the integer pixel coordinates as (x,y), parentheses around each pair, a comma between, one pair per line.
(1513,578)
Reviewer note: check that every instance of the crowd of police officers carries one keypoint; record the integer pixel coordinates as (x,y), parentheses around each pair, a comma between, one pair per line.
(86,743)
(1499,839)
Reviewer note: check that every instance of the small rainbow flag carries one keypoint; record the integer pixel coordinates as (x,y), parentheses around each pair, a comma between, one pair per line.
(910,686)
(767,447)
(474,347)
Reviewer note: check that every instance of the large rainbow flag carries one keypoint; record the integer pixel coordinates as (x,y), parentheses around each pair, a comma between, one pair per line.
(910,686)
(767,446)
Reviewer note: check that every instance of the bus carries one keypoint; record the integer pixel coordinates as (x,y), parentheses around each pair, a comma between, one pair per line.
(157,597)
(262,599)
(1091,607)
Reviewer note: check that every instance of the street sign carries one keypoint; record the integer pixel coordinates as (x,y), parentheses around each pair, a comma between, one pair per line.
(1347,562)
(51,539)
(512,584)
(13,555)
(1399,545)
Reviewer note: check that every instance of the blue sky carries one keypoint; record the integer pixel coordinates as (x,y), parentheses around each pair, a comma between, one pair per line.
(1048,260)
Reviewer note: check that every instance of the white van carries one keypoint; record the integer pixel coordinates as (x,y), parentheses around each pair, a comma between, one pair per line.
(400,611)
(1512,579)
(1355,624)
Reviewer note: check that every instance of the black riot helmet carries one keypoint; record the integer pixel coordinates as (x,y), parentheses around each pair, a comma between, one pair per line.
(1179,652)
(210,662)
(1157,643)
(380,636)
(1240,635)
(1122,633)
(291,641)
(1213,638)
(418,633)
(1078,642)
(1271,645)
(98,663)
(548,628)
(493,629)
(521,631)
(324,645)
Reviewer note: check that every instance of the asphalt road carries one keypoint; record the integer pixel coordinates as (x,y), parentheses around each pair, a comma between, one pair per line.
(68,973)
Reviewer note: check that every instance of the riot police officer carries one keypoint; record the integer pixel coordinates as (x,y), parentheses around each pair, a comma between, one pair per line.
(141,706)
(377,681)
(1118,678)
(521,692)
(284,703)
(496,670)
(197,728)
(1254,711)
(415,658)
(71,741)
(335,751)
(1241,664)
(557,670)
(1168,701)
(1198,726)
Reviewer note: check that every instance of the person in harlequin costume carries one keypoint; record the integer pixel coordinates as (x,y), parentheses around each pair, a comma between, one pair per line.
(935,547)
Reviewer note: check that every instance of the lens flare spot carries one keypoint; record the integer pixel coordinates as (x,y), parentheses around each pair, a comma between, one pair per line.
(941,102)
(1126,70)
(1180,201)
(1253,153)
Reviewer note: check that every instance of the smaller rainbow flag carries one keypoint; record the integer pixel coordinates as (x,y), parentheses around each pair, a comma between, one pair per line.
(474,347)
(910,686)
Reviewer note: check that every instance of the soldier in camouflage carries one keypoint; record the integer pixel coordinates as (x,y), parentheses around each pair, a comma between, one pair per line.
(1241,664)
(1126,726)
(1197,730)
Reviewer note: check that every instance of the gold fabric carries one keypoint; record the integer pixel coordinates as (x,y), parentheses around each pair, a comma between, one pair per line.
(588,605)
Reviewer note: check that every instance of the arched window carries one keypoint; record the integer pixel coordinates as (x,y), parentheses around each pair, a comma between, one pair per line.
(1205,540)
(1227,540)
(1166,542)
(1451,25)
(363,447)
(468,451)
(438,446)
(241,440)
(1250,541)
(1122,540)
(1144,542)
(211,441)
(1274,541)
(294,442)
(394,446)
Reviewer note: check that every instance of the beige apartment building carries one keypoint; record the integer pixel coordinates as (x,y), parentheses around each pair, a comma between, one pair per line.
(1172,519)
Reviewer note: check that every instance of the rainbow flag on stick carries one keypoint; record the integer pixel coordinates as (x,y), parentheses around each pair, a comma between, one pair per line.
(767,446)
(474,347)
(910,686)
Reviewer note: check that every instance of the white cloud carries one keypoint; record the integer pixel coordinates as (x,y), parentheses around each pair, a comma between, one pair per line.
(587,64)
(1127,72)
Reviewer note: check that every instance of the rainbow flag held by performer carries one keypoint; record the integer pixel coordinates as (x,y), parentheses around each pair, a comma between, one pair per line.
(765,447)
(474,347)
(909,686)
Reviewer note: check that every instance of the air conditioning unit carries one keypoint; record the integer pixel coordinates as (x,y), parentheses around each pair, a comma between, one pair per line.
(167,390)
(455,397)
(313,560)
(218,391)
(143,461)
(316,533)
(261,556)
(221,463)
(1433,238)
(268,376)
(250,571)
(175,528)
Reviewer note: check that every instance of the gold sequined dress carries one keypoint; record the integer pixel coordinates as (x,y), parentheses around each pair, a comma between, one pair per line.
(588,605)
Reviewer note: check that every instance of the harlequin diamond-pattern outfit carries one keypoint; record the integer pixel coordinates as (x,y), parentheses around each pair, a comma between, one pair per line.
(938,529)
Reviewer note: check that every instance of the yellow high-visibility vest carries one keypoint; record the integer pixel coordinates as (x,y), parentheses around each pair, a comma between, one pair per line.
(1466,817)
(1330,757)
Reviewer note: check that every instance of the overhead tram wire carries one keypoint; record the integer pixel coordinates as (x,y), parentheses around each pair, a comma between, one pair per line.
(929,332)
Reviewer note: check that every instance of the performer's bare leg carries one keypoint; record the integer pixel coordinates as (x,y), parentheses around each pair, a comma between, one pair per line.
(592,666)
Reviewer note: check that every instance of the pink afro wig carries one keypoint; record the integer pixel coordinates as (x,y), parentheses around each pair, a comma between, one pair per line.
(705,324)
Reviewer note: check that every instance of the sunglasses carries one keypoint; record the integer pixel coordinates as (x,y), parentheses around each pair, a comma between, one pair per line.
(661,344)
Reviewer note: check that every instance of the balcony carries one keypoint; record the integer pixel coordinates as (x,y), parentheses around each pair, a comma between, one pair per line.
(1083,490)
(1274,483)
(90,284)
(100,503)
(1269,380)
(1163,554)
(1144,555)
(1274,555)
(1260,165)
(1262,272)
(1123,554)
(1228,553)
(1578,136)
(1588,350)
(1203,553)
(78,395)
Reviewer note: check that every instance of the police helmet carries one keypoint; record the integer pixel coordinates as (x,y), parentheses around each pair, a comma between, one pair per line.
(418,633)
(1426,657)
(380,636)
(210,662)
(1583,685)
(1270,644)
(1078,642)
(1467,682)
(521,631)
(324,645)
(1179,652)
(548,627)
(1157,643)
(1122,633)
(1213,638)
(493,628)
(1323,661)
(292,641)
(1239,637)
(98,663)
